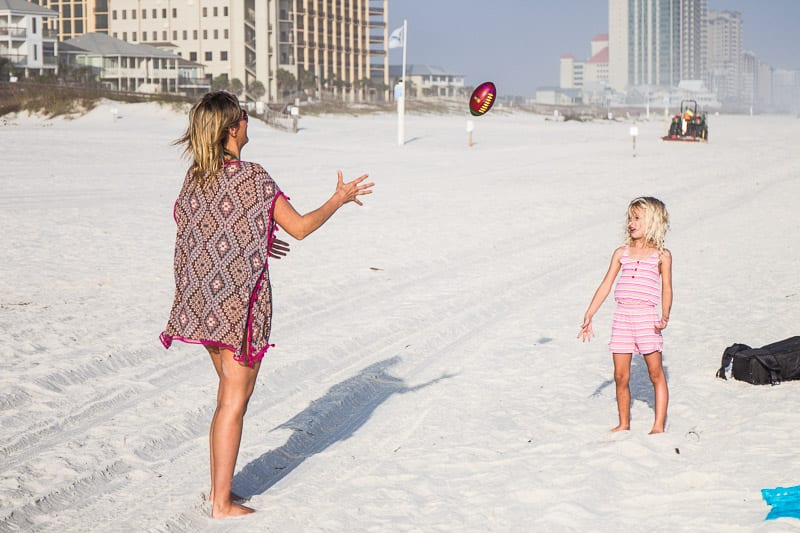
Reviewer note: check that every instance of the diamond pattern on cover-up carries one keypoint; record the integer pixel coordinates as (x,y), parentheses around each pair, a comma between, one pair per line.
(222,291)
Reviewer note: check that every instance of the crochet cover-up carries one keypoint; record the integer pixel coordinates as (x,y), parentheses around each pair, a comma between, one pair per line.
(223,296)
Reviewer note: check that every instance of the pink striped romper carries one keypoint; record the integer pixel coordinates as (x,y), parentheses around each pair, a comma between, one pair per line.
(637,294)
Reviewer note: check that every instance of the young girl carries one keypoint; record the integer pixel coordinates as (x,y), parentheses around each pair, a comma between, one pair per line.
(646,273)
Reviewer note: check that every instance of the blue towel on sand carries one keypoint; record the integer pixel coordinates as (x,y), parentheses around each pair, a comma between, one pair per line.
(785,502)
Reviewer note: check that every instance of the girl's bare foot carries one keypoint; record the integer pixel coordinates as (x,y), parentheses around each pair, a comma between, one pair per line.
(620,428)
(656,431)
(233,509)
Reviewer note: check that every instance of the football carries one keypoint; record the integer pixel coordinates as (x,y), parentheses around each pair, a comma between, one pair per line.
(482,98)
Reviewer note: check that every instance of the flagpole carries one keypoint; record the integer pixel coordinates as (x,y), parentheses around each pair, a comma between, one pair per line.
(401,103)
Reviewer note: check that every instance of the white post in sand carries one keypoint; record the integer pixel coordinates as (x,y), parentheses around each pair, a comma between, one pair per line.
(634,133)
(401,102)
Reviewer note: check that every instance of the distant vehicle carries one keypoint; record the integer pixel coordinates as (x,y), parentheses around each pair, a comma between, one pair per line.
(689,125)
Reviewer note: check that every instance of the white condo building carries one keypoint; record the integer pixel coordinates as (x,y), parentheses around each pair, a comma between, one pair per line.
(655,42)
(725,54)
(340,43)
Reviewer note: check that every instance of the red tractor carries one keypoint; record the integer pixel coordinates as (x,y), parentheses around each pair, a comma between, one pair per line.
(690,125)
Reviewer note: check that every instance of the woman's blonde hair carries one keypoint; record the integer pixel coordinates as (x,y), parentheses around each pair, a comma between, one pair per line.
(205,138)
(656,220)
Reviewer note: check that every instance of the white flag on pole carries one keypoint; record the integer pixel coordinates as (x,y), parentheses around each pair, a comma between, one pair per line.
(396,39)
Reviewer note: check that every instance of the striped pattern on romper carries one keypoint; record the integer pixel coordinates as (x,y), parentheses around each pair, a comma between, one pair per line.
(637,294)
(639,280)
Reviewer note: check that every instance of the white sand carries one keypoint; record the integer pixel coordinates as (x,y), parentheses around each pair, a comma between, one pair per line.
(427,376)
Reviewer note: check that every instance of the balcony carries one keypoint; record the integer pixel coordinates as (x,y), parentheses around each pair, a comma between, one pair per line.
(15,32)
(18,60)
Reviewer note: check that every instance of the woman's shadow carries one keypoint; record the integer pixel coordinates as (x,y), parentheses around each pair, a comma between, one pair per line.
(640,384)
(334,417)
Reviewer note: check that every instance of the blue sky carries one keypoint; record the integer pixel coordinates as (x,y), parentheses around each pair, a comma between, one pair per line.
(517,43)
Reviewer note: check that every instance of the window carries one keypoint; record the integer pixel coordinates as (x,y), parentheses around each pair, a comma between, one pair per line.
(164,35)
(185,35)
(124,14)
(34,20)
(223,56)
(124,36)
(192,56)
(216,11)
(205,35)
(205,11)
(164,13)
(174,35)
(114,15)
(216,34)
(133,36)
(194,34)
(225,11)
(66,26)
(133,13)
(155,13)
(209,56)
(79,26)
(155,35)
(174,12)
(144,13)
(78,11)
(224,34)
(35,52)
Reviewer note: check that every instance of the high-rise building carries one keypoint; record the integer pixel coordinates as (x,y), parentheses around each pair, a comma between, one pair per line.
(655,42)
(335,45)
(724,54)
(76,17)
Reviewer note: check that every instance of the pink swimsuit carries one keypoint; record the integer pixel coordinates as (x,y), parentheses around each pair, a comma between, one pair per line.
(637,294)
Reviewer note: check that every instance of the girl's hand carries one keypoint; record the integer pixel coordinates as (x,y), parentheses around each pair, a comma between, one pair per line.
(350,191)
(586,333)
(278,248)
(662,324)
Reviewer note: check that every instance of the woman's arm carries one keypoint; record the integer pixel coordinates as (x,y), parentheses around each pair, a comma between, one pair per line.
(301,226)
(586,333)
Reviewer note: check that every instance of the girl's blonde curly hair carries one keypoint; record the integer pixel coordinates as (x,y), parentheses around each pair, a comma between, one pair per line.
(656,220)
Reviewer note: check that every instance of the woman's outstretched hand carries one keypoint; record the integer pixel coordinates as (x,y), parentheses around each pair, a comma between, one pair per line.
(350,191)
(278,248)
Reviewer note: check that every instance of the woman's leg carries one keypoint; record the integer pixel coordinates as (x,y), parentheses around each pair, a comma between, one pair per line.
(236,383)
(660,390)
(622,378)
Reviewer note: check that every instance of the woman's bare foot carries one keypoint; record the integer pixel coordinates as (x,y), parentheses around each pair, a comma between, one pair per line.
(233,509)
(234,497)
(656,431)
(620,428)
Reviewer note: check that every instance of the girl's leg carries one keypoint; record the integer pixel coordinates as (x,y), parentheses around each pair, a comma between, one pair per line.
(622,378)
(235,388)
(660,390)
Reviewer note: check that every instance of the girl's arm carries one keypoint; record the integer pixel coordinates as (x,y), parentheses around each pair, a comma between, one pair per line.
(586,333)
(665,267)
(301,226)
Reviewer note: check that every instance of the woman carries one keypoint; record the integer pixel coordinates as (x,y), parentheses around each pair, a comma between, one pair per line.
(226,213)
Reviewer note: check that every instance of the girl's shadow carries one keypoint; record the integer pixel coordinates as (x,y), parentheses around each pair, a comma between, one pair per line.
(334,417)
(640,384)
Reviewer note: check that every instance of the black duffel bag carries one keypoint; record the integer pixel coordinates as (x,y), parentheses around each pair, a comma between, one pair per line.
(770,364)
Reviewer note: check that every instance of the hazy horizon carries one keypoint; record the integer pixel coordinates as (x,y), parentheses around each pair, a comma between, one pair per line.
(517,43)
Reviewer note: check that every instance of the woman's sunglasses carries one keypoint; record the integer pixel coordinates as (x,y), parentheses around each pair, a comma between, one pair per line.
(244,116)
